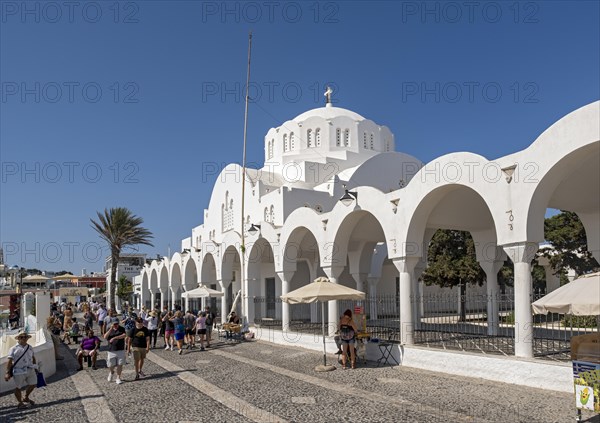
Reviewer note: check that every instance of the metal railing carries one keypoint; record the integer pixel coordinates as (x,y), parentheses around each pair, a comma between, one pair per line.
(447,321)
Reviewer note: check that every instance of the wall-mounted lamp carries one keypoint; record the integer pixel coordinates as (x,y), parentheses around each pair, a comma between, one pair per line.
(185,251)
(253,229)
(348,197)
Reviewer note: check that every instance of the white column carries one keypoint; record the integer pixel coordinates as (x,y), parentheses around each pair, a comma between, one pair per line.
(491,269)
(42,307)
(284,278)
(418,293)
(333,273)
(224,285)
(405,266)
(372,295)
(521,255)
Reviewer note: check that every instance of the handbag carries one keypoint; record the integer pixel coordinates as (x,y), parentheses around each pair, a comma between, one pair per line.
(11,371)
(41,382)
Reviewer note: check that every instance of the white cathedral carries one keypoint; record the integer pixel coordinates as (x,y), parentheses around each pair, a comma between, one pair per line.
(335,199)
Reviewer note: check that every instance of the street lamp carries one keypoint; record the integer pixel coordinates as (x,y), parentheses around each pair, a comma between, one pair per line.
(254,229)
(348,197)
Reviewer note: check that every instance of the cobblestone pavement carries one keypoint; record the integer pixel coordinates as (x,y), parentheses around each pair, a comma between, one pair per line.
(262,382)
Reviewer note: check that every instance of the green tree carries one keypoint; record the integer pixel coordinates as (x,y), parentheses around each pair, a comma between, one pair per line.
(566,234)
(451,260)
(120,228)
(124,289)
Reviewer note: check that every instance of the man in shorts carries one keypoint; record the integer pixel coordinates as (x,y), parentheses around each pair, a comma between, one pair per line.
(140,345)
(190,337)
(89,348)
(102,315)
(115,335)
(22,367)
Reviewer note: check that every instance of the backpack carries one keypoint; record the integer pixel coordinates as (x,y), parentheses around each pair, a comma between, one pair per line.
(346,333)
(129,324)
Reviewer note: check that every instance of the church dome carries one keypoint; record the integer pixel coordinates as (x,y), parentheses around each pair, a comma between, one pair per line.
(328,112)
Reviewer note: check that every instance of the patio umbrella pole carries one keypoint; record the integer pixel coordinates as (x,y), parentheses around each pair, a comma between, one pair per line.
(323,324)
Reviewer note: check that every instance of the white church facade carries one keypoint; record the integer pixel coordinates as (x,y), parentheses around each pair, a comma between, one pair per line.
(335,199)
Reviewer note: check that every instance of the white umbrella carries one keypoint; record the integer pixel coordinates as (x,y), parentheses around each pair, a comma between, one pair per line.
(323,290)
(202,292)
(580,297)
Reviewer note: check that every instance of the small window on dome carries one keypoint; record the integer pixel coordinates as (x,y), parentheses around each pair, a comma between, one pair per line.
(347,138)
(292,143)
(309,141)
(318,137)
(286,146)
(371,143)
(365,146)
(338,137)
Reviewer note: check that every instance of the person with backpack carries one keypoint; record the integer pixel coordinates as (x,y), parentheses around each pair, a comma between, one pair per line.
(129,324)
(348,332)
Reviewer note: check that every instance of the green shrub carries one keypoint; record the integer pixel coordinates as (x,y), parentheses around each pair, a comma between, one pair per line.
(570,321)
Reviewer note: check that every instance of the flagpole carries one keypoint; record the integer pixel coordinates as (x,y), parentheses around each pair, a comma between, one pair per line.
(242,229)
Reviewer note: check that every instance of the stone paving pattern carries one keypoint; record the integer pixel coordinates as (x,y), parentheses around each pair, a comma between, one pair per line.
(281,380)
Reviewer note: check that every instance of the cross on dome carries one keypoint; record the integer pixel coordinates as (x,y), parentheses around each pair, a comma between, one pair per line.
(327,95)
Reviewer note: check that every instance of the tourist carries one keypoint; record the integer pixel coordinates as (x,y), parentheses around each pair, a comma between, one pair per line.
(189,322)
(161,325)
(347,335)
(22,366)
(179,331)
(201,328)
(101,316)
(233,319)
(152,325)
(88,348)
(210,320)
(74,333)
(129,324)
(169,330)
(89,318)
(140,344)
(68,319)
(115,336)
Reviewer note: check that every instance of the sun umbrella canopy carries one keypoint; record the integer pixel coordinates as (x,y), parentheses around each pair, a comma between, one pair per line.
(202,292)
(580,297)
(322,290)
(64,277)
(35,278)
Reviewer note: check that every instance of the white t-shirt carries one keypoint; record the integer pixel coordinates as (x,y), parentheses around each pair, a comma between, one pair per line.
(25,363)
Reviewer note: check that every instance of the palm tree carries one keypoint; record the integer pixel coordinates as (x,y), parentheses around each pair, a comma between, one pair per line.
(120,228)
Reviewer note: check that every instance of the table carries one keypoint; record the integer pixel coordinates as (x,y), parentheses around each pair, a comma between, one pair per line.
(385,348)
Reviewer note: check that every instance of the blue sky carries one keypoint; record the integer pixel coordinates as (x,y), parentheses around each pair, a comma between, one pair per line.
(109,103)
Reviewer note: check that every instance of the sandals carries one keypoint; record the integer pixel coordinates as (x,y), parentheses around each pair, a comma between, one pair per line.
(21,405)
(29,401)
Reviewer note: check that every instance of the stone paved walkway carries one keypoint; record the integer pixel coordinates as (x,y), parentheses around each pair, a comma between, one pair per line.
(262,382)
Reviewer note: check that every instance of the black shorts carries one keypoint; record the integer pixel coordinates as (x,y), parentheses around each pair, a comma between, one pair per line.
(201,331)
(189,332)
